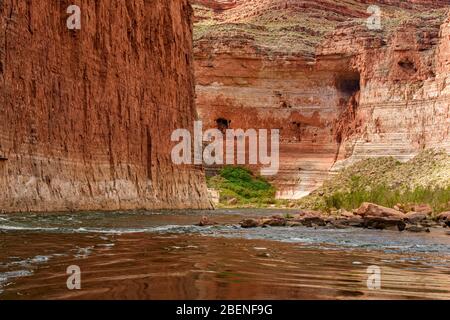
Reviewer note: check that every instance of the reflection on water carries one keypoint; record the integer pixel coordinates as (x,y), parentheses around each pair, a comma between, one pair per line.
(161,255)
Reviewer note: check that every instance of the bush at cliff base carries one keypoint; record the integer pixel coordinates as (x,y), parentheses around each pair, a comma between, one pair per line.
(424,179)
(241,184)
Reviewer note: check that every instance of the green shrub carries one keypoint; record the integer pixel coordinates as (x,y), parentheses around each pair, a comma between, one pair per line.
(242,184)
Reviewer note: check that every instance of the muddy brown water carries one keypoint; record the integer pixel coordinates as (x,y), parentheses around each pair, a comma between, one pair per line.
(161,255)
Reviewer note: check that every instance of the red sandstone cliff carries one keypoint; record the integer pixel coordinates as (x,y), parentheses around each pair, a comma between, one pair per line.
(86,116)
(338,91)
(404,101)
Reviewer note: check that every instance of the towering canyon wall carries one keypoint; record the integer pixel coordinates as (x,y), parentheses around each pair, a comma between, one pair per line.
(404,102)
(338,91)
(86,115)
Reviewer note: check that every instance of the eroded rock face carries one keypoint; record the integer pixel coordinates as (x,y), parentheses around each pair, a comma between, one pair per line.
(338,91)
(86,116)
(404,100)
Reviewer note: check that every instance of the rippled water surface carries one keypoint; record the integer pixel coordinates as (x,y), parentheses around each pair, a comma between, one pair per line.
(162,255)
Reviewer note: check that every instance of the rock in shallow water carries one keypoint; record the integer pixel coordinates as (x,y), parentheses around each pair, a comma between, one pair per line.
(275,222)
(415,217)
(383,223)
(355,222)
(205,221)
(444,216)
(250,223)
(417,229)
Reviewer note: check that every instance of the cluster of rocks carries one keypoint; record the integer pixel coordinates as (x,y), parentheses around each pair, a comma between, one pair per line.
(369,216)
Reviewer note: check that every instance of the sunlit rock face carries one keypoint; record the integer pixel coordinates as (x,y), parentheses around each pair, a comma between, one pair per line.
(404,99)
(338,90)
(87,115)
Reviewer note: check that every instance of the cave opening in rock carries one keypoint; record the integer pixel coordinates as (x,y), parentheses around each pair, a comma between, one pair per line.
(3,160)
(3,157)
(348,83)
(407,65)
(223,124)
(298,129)
(348,87)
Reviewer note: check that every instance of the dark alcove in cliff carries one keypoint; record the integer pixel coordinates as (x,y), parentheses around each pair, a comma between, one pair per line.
(348,83)
(408,66)
(223,124)
(3,159)
(348,87)
(3,156)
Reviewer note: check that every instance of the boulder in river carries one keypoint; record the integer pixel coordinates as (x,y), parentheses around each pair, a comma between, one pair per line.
(275,222)
(415,217)
(312,219)
(205,221)
(373,210)
(250,223)
(423,208)
(355,222)
(291,223)
(382,223)
(417,228)
(444,216)
(346,214)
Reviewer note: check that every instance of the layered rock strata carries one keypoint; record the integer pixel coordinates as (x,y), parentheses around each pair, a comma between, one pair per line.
(404,102)
(338,90)
(87,115)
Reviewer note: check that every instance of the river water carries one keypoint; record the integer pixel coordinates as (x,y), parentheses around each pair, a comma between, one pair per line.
(162,255)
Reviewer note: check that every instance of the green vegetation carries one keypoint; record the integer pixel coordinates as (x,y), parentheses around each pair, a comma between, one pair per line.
(385,181)
(437,198)
(241,184)
(296,36)
(424,179)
